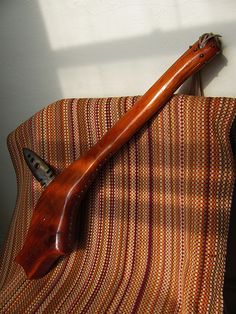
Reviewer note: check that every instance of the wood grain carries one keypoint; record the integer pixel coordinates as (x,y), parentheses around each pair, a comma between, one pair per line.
(52,230)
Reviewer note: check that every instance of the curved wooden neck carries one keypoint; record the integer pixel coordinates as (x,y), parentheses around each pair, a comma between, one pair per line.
(53,226)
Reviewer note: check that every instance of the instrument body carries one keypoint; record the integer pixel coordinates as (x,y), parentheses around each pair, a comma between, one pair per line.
(52,230)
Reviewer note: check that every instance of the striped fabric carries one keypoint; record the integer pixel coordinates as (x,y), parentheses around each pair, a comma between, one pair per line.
(153,226)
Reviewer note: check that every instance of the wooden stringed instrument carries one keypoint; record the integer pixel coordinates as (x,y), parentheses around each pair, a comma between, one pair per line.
(53,226)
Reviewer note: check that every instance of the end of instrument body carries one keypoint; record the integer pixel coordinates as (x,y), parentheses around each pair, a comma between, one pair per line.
(205,49)
(37,262)
(51,235)
(52,231)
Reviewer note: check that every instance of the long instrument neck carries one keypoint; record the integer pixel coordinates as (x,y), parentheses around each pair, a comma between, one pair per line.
(153,100)
(52,232)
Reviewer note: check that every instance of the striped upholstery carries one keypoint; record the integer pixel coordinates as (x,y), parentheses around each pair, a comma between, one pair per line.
(153,226)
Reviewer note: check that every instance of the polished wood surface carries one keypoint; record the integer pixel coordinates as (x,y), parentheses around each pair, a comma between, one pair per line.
(52,230)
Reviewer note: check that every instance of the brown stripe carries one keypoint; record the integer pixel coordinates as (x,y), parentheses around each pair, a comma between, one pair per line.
(145,279)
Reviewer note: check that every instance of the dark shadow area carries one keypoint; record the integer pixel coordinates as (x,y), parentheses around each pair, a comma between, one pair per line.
(29,81)
(83,224)
(29,69)
(230,271)
(208,73)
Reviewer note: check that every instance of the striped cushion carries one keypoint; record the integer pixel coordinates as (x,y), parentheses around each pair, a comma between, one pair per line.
(153,226)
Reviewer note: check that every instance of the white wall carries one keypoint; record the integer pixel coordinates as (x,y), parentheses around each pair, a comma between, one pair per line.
(51,49)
